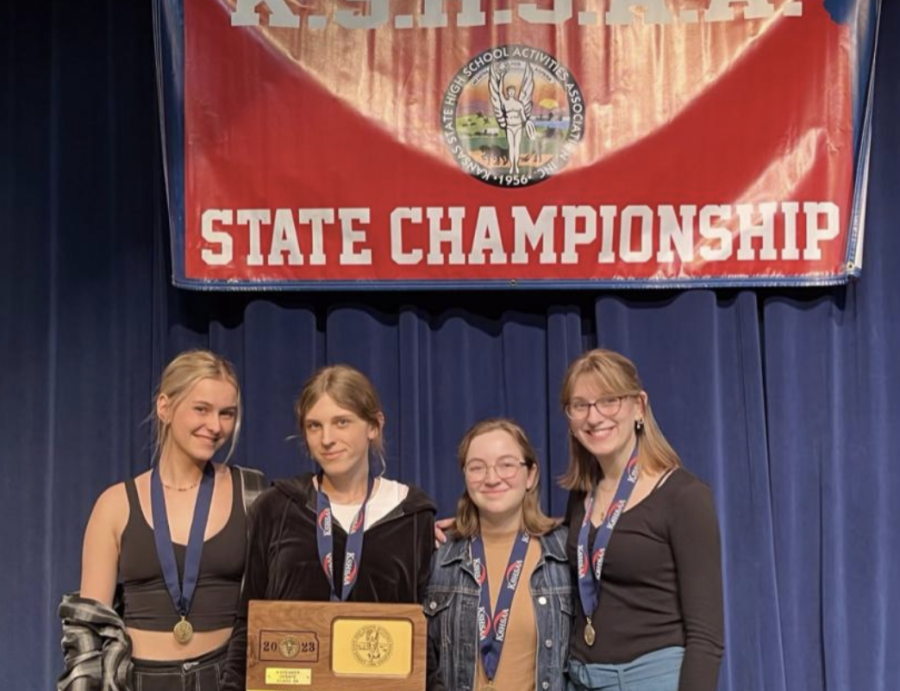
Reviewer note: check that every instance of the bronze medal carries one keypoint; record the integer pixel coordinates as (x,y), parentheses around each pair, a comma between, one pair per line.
(183,631)
(589,634)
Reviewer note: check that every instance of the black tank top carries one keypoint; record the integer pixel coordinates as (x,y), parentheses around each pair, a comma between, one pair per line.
(147,604)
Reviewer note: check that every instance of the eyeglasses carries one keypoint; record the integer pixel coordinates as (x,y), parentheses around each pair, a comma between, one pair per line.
(506,468)
(608,406)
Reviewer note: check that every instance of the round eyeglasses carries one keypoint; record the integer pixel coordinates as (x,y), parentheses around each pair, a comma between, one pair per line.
(607,406)
(506,469)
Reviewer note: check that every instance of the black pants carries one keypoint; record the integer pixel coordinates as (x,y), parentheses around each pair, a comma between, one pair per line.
(195,674)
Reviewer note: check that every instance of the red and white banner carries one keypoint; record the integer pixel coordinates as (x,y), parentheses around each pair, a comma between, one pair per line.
(563,143)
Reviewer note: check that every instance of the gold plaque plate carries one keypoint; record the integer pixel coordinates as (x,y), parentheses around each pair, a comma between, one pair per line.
(335,646)
(374,647)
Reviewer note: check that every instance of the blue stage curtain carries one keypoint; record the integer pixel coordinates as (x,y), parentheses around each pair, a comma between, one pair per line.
(784,401)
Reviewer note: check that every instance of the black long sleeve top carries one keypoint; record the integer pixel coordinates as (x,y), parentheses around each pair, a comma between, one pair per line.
(661,583)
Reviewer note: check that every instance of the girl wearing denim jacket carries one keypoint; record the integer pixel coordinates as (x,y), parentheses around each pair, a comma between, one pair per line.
(500,599)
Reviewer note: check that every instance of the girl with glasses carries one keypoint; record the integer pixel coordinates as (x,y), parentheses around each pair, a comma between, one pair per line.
(643,542)
(326,517)
(500,598)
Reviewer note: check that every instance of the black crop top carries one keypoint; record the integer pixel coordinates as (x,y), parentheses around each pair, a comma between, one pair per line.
(147,604)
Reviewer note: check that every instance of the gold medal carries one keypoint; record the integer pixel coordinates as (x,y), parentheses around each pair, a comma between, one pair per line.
(489,687)
(183,631)
(589,634)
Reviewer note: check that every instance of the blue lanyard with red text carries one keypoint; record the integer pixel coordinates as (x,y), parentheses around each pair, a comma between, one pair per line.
(325,542)
(491,626)
(589,570)
(181,591)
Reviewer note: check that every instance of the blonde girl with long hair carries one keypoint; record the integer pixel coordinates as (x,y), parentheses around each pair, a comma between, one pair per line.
(173,539)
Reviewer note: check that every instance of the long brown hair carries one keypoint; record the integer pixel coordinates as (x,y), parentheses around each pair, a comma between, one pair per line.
(467,520)
(179,378)
(615,375)
(350,389)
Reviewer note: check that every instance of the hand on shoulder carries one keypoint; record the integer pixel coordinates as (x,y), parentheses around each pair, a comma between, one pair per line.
(441,528)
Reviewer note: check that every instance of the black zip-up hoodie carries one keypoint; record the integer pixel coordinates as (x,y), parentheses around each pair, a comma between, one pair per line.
(283,559)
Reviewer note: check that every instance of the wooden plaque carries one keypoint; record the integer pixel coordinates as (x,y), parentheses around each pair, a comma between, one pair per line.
(335,646)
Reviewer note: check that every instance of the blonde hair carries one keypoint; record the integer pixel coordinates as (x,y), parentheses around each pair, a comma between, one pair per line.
(615,375)
(350,389)
(177,380)
(534,519)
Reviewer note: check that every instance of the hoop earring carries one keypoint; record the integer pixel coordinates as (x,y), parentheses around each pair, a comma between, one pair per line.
(638,426)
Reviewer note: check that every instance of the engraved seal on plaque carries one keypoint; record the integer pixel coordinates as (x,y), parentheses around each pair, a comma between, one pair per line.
(289,646)
(372,645)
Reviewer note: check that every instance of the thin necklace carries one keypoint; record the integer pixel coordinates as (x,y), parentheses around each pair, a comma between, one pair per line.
(181,489)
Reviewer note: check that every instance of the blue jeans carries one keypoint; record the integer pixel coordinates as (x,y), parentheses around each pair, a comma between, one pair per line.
(656,671)
(195,674)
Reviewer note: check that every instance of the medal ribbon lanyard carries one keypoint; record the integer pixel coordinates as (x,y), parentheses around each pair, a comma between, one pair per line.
(182,593)
(589,570)
(492,626)
(325,542)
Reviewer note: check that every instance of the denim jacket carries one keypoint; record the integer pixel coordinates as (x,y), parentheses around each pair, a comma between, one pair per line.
(451,606)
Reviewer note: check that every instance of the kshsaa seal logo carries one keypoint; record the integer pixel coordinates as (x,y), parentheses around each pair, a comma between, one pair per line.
(512,116)
(289,646)
(372,645)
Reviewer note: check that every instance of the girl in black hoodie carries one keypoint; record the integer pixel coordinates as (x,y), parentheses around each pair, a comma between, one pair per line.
(307,533)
